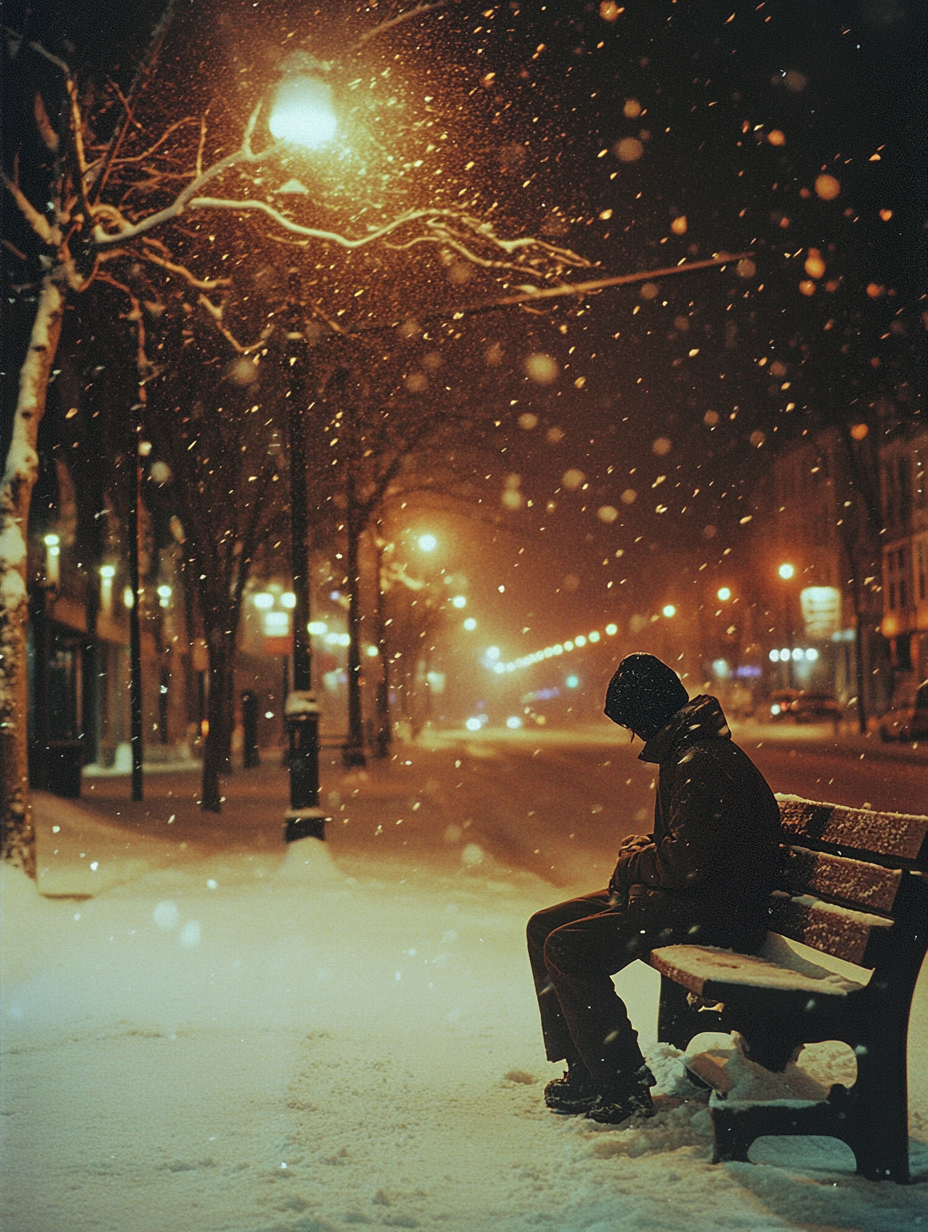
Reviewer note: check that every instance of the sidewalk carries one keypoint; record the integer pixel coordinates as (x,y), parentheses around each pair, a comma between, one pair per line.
(847,742)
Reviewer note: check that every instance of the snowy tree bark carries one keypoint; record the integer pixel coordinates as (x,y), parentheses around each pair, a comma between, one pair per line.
(17,839)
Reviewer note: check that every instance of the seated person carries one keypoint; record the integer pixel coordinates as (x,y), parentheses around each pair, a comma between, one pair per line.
(702,877)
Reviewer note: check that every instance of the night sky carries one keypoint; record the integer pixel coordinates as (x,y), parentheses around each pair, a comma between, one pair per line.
(635,427)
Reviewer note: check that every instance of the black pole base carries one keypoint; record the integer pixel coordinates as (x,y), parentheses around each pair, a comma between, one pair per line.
(353,755)
(306,823)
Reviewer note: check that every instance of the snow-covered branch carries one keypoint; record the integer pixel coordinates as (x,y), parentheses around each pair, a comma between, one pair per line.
(198,284)
(188,197)
(215,311)
(38,222)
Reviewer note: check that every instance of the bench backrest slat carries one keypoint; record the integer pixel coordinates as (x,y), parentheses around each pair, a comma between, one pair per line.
(834,930)
(899,836)
(869,887)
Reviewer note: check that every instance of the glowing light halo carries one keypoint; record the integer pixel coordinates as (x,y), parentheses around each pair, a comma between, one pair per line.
(303,112)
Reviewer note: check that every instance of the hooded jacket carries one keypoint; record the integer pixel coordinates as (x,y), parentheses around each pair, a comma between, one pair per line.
(715,845)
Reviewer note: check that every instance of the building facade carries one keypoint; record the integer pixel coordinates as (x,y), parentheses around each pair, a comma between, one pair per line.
(904,488)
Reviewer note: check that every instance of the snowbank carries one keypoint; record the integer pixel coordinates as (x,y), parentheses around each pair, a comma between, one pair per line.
(288,1044)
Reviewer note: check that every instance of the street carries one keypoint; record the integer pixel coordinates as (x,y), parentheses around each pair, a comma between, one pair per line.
(554,804)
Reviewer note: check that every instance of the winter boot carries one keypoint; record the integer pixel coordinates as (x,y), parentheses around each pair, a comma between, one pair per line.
(629,1096)
(573,1093)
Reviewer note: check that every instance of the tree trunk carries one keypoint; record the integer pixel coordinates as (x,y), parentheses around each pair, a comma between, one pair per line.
(17,838)
(354,748)
(384,726)
(215,749)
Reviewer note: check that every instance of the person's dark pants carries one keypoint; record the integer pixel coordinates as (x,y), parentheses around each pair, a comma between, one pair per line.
(575,948)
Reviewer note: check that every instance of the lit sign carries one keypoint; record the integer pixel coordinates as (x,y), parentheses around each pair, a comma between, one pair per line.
(821,611)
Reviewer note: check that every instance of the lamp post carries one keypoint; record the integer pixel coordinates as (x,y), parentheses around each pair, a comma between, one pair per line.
(302,114)
(136,733)
(304,819)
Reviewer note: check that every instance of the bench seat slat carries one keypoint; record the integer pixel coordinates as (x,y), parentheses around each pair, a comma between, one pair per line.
(854,882)
(705,970)
(835,930)
(899,835)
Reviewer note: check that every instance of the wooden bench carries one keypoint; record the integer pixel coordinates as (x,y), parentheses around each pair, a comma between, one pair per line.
(852,887)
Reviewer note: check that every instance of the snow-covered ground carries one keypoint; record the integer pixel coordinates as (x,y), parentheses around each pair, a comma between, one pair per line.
(272,1042)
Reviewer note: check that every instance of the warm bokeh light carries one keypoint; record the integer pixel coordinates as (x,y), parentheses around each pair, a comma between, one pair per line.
(669,610)
(786,572)
(428,543)
(827,187)
(814,265)
(724,594)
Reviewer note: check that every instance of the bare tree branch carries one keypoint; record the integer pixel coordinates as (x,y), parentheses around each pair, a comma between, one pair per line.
(38,222)
(142,73)
(395,21)
(202,142)
(216,313)
(529,294)
(199,284)
(244,154)
(137,158)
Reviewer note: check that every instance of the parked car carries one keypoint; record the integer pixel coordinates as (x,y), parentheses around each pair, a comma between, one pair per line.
(801,706)
(779,703)
(907,722)
(816,708)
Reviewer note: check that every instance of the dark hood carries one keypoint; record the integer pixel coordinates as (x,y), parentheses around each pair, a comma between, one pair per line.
(700,719)
(643,694)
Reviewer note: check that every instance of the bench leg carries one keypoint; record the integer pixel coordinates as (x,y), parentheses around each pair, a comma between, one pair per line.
(876,1107)
(678,1021)
(735,1127)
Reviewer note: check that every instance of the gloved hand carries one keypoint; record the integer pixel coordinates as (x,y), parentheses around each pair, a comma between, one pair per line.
(634,842)
(619,882)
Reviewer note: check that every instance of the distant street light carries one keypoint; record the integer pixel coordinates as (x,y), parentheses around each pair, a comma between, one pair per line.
(669,610)
(52,560)
(724,594)
(427,542)
(787,572)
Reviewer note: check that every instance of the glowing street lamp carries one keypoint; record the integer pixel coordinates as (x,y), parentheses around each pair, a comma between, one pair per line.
(427,542)
(303,111)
